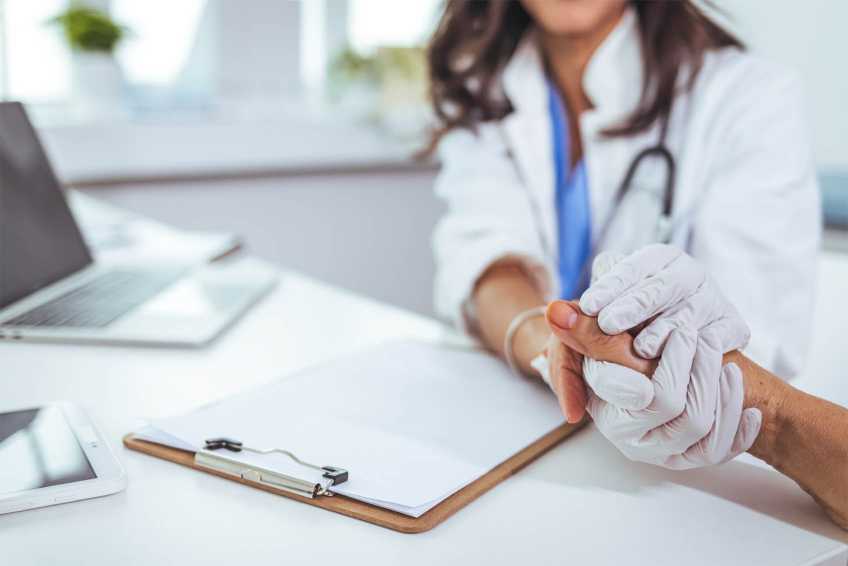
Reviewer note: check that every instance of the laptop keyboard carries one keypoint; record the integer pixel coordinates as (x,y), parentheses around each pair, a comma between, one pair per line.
(99,301)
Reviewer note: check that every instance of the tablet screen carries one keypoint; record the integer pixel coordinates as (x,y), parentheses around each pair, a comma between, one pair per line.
(39,449)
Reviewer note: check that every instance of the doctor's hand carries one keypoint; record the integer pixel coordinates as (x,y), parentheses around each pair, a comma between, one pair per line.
(690,414)
(665,289)
(693,416)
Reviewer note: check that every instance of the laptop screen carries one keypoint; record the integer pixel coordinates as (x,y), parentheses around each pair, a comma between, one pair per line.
(40,242)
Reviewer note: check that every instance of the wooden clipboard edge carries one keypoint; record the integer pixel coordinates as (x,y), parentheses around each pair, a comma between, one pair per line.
(370,513)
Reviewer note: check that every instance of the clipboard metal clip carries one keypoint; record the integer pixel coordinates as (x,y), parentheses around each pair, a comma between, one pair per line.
(209,458)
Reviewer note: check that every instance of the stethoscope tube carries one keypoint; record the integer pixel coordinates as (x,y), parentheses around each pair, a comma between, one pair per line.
(664,232)
(661,151)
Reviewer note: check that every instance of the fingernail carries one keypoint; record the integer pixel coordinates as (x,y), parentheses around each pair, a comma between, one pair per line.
(562,314)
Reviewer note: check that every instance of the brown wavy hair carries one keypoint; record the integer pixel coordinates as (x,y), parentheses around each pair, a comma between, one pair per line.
(476,38)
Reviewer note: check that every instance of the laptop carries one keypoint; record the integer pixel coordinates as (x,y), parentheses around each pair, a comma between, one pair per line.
(51,288)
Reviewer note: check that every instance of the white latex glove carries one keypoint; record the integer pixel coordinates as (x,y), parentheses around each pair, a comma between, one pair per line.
(662,281)
(691,414)
(626,388)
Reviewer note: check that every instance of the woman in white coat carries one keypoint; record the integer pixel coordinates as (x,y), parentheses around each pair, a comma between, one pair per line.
(546,104)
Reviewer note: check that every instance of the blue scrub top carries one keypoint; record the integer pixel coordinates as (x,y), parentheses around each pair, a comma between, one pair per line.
(574,230)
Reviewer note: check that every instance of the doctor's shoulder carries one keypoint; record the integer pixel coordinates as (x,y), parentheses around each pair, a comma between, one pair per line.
(747,114)
(743,87)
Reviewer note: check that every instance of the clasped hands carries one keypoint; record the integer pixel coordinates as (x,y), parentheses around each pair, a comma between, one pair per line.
(644,354)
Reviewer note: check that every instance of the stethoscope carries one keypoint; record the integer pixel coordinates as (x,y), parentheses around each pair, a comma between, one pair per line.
(662,152)
(664,227)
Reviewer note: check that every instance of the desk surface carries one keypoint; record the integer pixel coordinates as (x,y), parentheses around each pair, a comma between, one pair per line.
(583,502)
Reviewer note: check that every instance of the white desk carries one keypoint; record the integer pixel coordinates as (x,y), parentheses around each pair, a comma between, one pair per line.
(583,503)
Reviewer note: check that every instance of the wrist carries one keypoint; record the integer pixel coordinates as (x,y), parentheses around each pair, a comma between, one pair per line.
(773,397)
(529,341)
(769,443)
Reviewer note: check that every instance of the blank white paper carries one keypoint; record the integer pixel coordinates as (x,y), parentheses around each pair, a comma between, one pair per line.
(412,422)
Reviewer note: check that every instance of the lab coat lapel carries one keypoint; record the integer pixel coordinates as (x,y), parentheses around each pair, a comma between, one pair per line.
(528,132)
(613,83)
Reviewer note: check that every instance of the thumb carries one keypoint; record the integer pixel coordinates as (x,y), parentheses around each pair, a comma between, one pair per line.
(582,334)
(562,319)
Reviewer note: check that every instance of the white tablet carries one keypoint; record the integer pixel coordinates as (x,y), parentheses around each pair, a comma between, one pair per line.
(53,454)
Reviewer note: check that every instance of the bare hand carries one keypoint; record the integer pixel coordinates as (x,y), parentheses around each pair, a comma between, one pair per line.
(573,336)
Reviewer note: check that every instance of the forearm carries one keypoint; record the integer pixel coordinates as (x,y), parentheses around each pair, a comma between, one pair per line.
(802,436)
(502,292)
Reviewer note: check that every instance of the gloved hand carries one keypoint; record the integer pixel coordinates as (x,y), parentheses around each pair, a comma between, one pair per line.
(695,418)
(690,414)
(662,281)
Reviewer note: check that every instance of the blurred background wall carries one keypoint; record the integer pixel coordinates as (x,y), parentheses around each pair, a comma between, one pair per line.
(292,123)
(810,37)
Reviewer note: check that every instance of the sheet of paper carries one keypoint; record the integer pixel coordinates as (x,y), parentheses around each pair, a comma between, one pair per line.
(411,422)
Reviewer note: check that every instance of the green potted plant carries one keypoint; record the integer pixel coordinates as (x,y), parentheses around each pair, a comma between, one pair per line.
(92,36)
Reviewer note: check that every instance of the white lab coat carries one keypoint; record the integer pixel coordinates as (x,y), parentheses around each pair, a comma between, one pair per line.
(746,199)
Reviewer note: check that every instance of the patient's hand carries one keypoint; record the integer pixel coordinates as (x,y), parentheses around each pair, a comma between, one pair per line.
(582,334)
(685,411)
(575,335)
(692,415)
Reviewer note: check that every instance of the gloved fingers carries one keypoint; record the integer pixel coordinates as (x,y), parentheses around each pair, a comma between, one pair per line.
(650,341)
(692,313)
(717,446)
(689,461)
(705,307)
(730,329)
(749,429)
(624,427)
(679,462)
(657,293)
(701,404)
(594,404)
(671,380)
(603,264)
(626,273)
(618,385)
(616,424)
(733,331)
